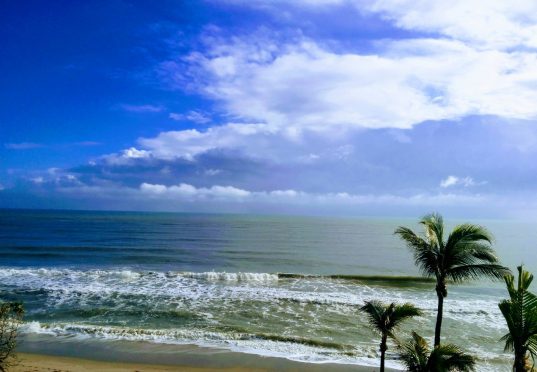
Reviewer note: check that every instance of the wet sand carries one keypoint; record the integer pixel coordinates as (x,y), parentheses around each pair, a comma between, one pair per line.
(48,363)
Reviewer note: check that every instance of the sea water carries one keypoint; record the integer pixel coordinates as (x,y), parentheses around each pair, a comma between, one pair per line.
(269,285)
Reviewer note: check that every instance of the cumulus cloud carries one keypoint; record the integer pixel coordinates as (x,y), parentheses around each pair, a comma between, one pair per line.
(303,85)
(190,143)
(315,122)
(280,92)
(275,89)
(126,156)
(484,23)
(184,190)
(193,116)
(256,141)
(187,193)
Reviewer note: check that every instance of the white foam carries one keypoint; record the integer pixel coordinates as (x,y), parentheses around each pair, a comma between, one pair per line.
(211,295)
(211,286)
(232,277)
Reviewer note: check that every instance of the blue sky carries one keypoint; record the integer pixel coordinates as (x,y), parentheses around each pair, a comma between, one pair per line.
(388,108)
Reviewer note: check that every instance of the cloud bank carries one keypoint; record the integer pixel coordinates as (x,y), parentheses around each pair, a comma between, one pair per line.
(419,109)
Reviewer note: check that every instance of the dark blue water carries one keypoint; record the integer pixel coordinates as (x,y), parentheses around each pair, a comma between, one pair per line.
(191,242)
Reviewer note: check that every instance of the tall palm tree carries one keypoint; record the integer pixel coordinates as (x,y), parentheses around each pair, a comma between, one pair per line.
(385,319)
(466,254)
(418,357)
(520,313)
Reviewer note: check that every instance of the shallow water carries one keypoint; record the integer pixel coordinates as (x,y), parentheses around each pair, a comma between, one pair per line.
(219,281)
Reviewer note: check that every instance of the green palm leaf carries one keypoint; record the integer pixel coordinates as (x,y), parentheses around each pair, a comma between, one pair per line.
(520,313)
(465,255)
(385,319)
(418,357)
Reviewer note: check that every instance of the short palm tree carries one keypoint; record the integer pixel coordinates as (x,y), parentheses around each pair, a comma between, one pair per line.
(520,313)
(385,319)
(466,254)
(418,357)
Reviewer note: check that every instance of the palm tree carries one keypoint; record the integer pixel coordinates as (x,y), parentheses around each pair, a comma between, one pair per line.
(385,319)
(417,357)
(520,313)
(466,254)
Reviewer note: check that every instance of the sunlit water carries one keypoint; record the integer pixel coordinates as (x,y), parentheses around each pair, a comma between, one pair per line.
(217,281)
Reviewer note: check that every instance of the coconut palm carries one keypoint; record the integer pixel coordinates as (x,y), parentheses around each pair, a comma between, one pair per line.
(466,254)
(385,319)
(418,357)
(520,313)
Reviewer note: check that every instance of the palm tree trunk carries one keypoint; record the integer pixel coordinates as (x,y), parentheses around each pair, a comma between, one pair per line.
(521,362)
(440,292)
(383,348)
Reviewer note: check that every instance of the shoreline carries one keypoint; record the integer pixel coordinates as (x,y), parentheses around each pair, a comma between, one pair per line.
(148,354)
(67,354)
(37,362)
(42,362)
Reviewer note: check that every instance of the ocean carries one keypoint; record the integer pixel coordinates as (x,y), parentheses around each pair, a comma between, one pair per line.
(268,285)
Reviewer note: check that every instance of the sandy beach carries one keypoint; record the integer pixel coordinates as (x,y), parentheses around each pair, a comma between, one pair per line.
(28,362)
(42,363)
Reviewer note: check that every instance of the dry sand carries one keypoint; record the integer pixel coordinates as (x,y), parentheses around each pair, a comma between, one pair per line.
(46,363)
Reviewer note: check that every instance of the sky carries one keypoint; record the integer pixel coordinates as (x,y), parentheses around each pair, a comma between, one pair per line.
(339,107)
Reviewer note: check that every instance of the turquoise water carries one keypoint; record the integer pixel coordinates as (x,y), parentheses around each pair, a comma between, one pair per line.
(222,281)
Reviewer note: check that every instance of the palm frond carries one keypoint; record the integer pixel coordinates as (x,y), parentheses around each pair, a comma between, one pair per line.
(428,262)
(450,357)
(414,353)
(475,271)
(418,357)
(434,229)
(386,318)
(470,253)
(411,238)
(467,232)
(520,313)
(509,342)
(374,311)
(403,312)
(483,252)
(425,254)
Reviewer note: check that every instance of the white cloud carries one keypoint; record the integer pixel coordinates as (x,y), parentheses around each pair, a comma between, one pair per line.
(194,116)
(190,192)
(451,181)
(483,23)
(285,90)
(294,86)
(126,156)
(302,85)
(142,108)
(189,143)
(176,195)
